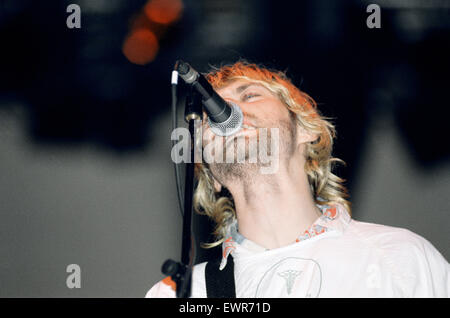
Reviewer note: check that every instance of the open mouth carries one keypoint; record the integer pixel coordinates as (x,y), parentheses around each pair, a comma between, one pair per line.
(245,129)
(248,127)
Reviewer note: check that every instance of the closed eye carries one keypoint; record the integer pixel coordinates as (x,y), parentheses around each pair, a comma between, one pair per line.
(248,96)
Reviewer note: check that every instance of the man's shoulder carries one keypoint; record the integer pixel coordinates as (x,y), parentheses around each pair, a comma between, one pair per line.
(414,262)
(166,288)
(396,244)
(388,238)
(385,236)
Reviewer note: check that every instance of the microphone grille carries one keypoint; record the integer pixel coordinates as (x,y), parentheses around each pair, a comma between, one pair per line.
(232,125)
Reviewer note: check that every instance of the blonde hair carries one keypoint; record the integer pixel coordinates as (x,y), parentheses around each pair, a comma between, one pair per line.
(326,187)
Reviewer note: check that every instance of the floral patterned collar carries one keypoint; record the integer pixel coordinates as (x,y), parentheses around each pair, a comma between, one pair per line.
(333,218)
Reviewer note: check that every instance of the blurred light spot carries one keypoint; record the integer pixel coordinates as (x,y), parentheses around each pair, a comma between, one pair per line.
(141,46)
(411,25)
(228,27)
(164,11)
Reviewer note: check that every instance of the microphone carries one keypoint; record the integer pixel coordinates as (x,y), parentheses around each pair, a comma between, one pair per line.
(224,118)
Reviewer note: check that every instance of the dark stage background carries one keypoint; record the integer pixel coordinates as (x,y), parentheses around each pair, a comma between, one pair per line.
(85,170)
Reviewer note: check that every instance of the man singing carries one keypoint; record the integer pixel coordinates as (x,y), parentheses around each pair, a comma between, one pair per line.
(289,233)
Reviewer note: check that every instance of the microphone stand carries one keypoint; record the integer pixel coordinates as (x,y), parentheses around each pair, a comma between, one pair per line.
(181,272)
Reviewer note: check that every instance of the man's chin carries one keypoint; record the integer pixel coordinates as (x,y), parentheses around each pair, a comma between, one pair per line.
(225,171)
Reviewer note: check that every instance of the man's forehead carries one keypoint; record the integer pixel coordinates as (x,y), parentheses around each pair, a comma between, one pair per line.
(236,86)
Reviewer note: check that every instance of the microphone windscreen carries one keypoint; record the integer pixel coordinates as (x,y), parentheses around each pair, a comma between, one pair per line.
(231,126)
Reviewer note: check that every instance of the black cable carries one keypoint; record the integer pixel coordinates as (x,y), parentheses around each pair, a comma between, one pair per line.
(193,253)
(176,167)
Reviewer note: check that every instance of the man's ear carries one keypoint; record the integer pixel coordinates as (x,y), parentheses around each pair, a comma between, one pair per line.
(217,185)
(304,136)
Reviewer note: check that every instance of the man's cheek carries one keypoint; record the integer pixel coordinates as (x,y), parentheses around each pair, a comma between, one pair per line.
(213,150)
(208,137)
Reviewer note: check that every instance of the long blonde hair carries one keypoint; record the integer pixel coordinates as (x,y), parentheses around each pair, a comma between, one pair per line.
(326,187)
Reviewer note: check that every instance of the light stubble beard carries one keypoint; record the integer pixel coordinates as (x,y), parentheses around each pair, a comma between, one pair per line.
(248,172)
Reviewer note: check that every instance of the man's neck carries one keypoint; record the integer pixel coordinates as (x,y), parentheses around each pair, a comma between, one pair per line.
(273,210)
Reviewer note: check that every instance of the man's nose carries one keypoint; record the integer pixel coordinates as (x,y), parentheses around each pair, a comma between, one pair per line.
(232,101)
(238,103)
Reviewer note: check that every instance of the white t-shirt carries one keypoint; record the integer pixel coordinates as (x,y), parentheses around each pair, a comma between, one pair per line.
(336,257)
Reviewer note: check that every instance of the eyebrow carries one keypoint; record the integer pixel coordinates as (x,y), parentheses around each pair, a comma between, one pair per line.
(243,87)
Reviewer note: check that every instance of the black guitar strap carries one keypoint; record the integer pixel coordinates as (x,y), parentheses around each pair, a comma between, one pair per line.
(220,283)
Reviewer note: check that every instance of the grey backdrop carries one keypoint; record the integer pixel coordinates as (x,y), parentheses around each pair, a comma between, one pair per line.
(118,219)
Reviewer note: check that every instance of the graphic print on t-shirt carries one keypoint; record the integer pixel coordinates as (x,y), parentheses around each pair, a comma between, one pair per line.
(291,277)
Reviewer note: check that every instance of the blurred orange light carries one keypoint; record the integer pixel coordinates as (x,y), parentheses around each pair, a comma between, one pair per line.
(141,46)
(164,11)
